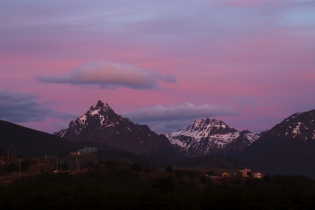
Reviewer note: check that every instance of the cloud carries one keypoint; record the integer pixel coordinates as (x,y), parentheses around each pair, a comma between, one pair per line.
(23,107)
(247,102)
(170,118)
(110,75)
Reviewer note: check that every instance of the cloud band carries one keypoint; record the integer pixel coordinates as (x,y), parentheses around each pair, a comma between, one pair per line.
(23,107)
(166,118)
(110,75)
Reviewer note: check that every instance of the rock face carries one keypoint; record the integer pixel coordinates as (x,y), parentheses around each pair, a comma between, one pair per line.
(211,137)
(299,126)
(287,148)
(102,125)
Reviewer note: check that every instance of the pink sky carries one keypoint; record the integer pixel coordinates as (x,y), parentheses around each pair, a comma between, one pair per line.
(248,63)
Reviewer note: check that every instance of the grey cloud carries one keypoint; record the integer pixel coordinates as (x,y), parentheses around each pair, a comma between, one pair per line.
(110,75)
(23,107)
(169,78)
(247,102)
(171,118)
(170,126)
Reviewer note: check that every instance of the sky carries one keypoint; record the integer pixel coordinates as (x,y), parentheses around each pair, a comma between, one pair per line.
(249,63)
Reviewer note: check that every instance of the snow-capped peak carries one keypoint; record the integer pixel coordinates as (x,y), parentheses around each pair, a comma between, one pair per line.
(206,127)
(100,104)
(204,135)
(102,115)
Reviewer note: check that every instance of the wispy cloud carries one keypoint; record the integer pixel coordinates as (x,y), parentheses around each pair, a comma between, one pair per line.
(23,107)
(110,75)
(247,102)
(170,118)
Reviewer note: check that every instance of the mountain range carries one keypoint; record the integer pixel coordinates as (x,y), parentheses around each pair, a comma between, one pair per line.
(286,148)
(205,137)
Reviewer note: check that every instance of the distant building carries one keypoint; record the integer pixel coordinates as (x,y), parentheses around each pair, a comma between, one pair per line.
(244,172)
(84,151)
(257,175)
(226,174)
(88,149)
(247,172)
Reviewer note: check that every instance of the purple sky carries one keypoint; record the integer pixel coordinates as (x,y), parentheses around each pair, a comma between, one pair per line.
(249,63)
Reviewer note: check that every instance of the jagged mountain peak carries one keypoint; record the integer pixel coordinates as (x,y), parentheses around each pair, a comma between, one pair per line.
(102,125)
(206,121)
(207,127)
(101,106)
(99,116)
(245,131)
(207,137)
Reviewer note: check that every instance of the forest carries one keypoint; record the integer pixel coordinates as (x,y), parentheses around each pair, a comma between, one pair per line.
(115,185)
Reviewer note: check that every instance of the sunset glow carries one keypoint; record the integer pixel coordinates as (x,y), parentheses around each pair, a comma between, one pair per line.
(248,63)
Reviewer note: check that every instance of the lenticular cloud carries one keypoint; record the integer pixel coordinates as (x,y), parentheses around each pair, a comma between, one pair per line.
(110,75)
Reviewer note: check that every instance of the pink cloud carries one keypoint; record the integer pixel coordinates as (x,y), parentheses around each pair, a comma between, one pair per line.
(110,75)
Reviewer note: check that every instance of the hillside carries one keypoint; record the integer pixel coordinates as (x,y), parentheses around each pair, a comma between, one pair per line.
(288,148)
(31,143)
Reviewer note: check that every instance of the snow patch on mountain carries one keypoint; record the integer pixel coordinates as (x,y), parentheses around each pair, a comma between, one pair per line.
(251,137)
(62,132)
(100,113)
(206,135)
(299,126)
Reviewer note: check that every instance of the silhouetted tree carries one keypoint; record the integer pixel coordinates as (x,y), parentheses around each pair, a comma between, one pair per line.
(169,169)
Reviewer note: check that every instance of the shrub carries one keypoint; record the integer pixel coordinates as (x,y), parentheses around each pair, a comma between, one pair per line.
(164,185)
(136,167)
(147,170)
(203,179)
(169,169)
(111,164)
(179,174)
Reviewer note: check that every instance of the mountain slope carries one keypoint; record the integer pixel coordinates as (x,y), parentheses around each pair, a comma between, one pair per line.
(31,143)
(211,137)
(102,125)
(288,148)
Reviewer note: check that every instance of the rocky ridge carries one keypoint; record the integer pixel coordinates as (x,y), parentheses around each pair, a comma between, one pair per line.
(211,137)
(102,125)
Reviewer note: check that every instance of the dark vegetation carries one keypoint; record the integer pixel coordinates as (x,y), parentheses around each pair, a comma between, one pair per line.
(220,164)
(124,156)
(114,185)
